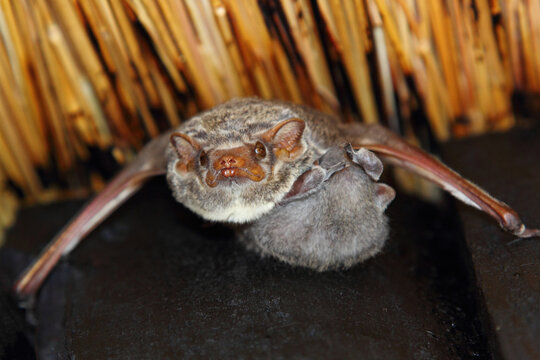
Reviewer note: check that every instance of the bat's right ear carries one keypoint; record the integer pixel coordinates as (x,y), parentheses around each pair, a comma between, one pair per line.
(187,150)
(286,137)
(384,196)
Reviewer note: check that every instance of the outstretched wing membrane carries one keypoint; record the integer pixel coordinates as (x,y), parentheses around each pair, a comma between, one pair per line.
(397,151)
(149,162)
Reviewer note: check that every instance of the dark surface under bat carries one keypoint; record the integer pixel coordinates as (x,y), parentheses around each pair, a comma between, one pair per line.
(153,281)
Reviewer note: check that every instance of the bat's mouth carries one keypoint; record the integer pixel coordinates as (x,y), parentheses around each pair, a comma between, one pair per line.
(233,173)
(230,172)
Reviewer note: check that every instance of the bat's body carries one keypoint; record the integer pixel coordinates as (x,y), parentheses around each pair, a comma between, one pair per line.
(286,176)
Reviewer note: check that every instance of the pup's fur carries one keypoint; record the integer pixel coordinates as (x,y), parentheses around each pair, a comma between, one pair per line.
(339,225)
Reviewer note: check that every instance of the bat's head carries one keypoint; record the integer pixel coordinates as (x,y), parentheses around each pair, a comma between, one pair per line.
(235,162)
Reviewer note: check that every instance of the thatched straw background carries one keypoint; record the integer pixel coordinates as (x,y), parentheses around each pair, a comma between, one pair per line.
(90,81)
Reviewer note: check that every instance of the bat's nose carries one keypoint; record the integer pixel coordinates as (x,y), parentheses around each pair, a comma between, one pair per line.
(228,161)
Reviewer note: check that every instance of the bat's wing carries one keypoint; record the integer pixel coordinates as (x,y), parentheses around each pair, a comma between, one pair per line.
(397,151)
(149,162)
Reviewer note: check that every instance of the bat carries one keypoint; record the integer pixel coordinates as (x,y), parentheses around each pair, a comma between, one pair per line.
(295,183)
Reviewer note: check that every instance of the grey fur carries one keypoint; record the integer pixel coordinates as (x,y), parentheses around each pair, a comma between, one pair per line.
(339,225)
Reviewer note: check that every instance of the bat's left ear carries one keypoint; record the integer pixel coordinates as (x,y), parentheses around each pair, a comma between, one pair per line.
(186,148)
(286,137)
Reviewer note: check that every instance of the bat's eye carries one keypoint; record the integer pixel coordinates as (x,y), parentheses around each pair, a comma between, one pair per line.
(203,159)
(260,150)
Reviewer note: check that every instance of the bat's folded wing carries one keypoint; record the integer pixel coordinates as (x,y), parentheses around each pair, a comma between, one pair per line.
(397,151)
(149,162)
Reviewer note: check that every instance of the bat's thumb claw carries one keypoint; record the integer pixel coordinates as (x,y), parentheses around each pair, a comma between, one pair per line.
(527,233)
(513,224)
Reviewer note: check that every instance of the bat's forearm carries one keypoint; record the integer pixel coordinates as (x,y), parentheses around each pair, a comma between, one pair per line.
(150,162)
(97,210)
(397,151)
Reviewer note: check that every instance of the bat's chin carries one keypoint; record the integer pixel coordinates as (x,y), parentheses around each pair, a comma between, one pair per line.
(232,181)
(236,213)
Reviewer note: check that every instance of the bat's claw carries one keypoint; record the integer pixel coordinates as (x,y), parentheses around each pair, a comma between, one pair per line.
(511,222)
(527,233)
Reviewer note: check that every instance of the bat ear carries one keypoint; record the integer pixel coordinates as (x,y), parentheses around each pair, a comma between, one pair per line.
(371,164)
(286,137)
(187,150)
(384,195)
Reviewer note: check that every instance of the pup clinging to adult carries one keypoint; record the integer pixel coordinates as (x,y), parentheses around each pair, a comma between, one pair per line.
(280,169)
(314,228)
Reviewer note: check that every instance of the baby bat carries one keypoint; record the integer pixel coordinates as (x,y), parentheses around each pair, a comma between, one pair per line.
(297,184)
(312,228)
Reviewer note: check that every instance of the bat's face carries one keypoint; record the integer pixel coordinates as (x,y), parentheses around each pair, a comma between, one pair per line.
(235,162)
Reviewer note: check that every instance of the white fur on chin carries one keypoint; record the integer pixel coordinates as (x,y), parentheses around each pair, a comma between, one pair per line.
(237,213)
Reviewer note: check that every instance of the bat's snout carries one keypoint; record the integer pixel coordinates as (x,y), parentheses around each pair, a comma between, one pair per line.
(229,161)
(233,165)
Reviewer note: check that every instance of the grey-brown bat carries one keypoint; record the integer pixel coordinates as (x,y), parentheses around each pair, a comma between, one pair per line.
(298,184)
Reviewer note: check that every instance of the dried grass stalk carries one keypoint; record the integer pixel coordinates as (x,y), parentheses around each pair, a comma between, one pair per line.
(81,75)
